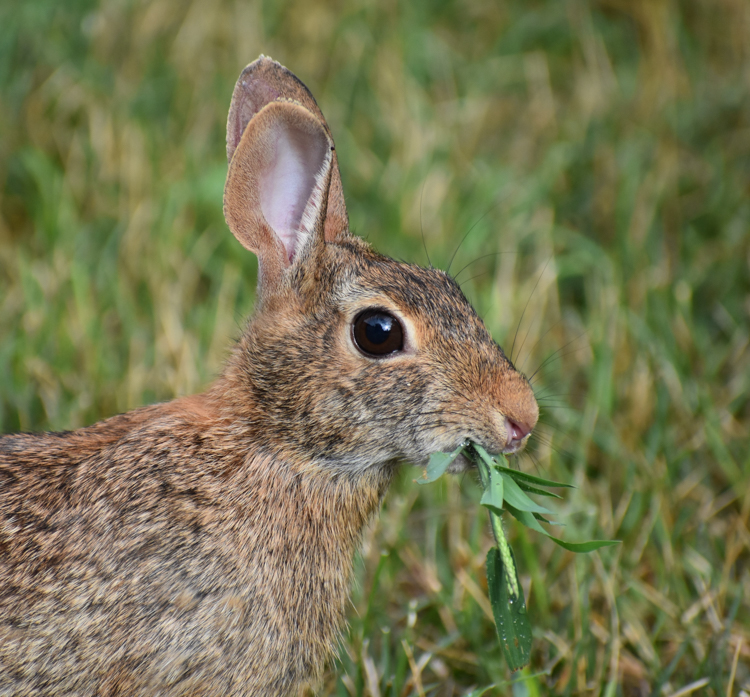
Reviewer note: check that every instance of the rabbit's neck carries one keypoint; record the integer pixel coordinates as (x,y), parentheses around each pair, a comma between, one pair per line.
(292,527)
(298,534)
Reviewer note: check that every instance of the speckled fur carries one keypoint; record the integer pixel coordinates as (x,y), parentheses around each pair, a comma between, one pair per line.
(204,546)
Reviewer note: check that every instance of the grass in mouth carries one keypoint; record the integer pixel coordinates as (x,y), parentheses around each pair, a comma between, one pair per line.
(507,489)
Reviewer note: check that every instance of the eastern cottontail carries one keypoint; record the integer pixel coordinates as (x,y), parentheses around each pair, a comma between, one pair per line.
(204,546)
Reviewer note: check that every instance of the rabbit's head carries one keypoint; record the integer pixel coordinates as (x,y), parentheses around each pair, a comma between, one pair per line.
(353,360)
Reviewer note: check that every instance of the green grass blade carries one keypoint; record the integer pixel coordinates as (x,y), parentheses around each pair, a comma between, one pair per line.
(480,691)
(438,464)
(515,496)
(534,490)
(491,460)
(518,476)
(530,521)
(493,494)
(542,519)
(584,547)
(530,478)
(509,609)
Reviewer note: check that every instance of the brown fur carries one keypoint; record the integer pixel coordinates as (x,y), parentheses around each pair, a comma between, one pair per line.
(205,546)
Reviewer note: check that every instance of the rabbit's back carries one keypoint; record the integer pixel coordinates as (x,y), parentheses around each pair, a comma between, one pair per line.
(138,556)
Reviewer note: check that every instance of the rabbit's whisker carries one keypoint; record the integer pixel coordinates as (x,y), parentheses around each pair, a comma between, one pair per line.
(421,227)
(531,295)
(471,263)
(463,239)
(556,355)
(536,343)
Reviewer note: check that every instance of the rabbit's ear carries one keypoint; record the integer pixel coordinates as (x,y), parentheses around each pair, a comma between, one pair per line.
(265,81)
(277,186)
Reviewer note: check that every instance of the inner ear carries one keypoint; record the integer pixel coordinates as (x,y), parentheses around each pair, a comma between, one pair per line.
(292,184)
(261,83)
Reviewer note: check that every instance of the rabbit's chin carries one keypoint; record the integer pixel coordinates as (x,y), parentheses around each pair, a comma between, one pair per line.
(460,464)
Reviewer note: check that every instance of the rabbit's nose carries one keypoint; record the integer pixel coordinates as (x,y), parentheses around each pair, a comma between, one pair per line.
(517,433)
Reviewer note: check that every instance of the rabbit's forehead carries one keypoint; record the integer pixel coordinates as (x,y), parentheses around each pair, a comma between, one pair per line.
(429,297)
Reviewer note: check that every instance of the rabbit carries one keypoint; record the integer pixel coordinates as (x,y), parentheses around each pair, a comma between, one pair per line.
(205,546)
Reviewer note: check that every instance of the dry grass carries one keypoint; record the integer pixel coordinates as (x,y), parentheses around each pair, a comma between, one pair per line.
(598,153)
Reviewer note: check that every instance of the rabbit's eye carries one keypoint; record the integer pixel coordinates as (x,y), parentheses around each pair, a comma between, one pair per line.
(377,333)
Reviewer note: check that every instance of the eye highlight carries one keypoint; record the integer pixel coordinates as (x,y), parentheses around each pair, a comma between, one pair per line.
(377,333)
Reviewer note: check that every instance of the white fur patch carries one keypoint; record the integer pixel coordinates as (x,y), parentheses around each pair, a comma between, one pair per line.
(291,186)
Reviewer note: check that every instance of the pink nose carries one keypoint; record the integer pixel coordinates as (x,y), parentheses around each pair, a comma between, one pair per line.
(516,432)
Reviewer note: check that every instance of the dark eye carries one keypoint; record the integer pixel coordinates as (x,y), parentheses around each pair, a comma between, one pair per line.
(377,333)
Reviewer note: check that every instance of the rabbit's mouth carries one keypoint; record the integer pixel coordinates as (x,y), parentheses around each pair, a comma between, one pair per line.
(517,436)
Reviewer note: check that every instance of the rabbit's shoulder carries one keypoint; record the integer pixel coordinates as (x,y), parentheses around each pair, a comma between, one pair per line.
(57,488)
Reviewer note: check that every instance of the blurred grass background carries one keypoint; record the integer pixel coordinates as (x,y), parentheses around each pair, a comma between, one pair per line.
(598,151)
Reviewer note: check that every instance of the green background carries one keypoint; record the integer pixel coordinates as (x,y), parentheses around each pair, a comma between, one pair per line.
(598,155)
